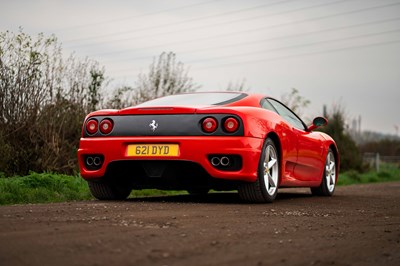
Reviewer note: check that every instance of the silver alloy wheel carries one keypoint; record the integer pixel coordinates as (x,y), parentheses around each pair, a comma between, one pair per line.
(271,170)
(330,171)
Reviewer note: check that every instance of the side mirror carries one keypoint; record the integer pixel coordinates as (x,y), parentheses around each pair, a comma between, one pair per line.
(317,122)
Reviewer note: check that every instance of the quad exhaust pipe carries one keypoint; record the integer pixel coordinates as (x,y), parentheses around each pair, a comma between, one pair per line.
(220,161)
(93,162)
(226,162)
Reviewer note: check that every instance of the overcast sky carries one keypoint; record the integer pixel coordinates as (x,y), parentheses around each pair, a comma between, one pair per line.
(333,51)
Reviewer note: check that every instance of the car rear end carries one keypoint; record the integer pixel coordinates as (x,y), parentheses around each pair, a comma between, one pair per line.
(170,147)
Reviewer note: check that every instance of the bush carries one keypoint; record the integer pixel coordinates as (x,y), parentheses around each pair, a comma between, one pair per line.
(350,156)
(354,175)
(43,101)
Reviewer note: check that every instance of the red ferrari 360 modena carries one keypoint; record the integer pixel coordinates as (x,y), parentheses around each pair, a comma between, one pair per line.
(202,141)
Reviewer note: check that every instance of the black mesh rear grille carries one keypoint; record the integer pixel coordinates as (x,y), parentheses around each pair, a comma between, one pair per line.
(164,174)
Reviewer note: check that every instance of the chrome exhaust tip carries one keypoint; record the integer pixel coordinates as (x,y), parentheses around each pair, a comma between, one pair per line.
(96,161)
(215,161)
(225,161)
(89,161)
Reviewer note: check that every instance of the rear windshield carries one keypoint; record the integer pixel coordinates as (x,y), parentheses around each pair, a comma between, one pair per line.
(201,98)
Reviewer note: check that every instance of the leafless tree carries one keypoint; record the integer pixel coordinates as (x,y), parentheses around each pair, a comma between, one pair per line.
(166,76)
(295,101)
(43,100)
(237,86)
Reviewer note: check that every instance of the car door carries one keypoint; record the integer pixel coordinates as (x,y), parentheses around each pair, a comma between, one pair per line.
(310,158)
(309,146)
(289,147)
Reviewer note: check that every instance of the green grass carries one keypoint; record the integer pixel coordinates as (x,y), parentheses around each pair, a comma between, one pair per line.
(156,192)
(47,187)
(388,172)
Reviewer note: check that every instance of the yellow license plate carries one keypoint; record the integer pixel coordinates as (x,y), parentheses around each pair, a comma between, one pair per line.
(164,150)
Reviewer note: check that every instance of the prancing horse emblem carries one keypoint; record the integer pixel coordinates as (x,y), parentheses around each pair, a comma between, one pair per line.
(153,125)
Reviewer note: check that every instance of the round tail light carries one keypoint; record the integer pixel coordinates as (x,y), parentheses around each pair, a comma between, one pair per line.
(209,125)
(106,126)
(231,125)
(92,126)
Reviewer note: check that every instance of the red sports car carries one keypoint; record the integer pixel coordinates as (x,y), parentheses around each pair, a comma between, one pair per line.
(202,141)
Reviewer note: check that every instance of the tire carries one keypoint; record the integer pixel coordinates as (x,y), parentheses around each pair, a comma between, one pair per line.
(329,177)
(198,191)
(265,189)
(108,191)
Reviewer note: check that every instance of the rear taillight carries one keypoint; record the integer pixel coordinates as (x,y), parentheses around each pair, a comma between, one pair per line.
(231,125)
(106,126)
(92,126)
(209,124)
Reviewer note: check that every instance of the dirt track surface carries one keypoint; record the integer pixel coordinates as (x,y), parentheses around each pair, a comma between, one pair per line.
(360,225)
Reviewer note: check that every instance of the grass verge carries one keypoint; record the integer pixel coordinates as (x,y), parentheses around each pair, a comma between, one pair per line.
(388,172)
(47,187)
(44,187)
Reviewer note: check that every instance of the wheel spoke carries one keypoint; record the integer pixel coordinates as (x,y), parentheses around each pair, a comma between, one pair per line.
(328,162)
(271,181)
(332,166)
(330,171)
(271,163)
(332,180)
(267,153)
(271,170)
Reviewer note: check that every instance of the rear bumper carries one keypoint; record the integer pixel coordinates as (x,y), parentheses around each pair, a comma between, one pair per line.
(192,149)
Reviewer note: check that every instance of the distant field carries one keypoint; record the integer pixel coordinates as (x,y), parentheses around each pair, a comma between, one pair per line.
(47,187)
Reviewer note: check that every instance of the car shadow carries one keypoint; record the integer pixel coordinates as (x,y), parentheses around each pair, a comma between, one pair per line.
(217,198)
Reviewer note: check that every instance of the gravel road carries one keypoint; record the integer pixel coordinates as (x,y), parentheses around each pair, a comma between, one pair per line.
(360,225)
